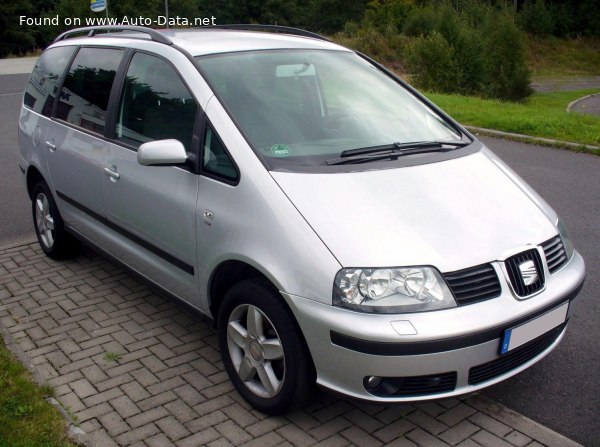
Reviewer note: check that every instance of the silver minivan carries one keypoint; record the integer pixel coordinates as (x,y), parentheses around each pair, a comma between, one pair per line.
(338,227)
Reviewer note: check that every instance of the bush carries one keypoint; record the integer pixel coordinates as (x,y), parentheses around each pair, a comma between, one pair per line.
(388,15)
(536,18)
(386,49)
(478,51)
(507,73)
(420,22)
(433,63)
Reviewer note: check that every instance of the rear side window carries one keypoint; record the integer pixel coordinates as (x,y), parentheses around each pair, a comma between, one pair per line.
(84,96)
(155,104)
(43,82)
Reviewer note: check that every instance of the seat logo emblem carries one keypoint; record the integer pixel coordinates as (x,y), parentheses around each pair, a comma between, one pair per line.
(529,273)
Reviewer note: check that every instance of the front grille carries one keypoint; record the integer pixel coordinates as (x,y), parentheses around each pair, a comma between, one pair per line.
(516,276)
(514,359)
(555,253)
(474,284)
(414,386)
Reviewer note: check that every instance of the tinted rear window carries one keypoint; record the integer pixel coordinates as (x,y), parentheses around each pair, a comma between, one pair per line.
(84,96)
(43,82)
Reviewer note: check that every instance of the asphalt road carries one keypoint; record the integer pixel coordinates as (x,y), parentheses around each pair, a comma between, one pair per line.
(563,390)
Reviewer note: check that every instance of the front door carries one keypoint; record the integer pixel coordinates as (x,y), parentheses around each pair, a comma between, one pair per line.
(152,208)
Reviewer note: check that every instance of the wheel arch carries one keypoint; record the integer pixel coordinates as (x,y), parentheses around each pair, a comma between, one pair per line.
(226,275)
(33,177)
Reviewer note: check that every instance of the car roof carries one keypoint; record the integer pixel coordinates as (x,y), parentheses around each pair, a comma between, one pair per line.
(203,41)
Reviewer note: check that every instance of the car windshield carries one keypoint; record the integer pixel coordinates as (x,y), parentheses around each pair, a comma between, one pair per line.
(302,107)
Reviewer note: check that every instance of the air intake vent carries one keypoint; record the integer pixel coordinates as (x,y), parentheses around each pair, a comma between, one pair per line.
(556,255)
(512,360)
(526,272)
(474,284)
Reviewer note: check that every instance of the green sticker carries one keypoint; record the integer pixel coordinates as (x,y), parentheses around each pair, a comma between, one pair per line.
(280,150)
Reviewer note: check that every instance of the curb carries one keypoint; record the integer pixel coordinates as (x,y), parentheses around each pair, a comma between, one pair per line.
(577,147)
(572,103)
(523,424)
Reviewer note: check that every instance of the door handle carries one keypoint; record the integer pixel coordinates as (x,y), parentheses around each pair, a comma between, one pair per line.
(112,174)
(50,145)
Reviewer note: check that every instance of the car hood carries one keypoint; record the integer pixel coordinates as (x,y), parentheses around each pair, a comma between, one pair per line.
(452,214)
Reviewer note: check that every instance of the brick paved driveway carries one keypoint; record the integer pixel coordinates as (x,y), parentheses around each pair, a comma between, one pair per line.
(133,368)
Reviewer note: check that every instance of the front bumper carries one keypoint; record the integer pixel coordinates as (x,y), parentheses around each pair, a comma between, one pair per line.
(347,346)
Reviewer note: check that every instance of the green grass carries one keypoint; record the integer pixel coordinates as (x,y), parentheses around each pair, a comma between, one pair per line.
(112,357)
(26,418)
(542,115)
(552,57)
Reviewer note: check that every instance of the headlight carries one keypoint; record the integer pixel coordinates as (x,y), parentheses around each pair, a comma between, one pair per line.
(392,290)
(566,239)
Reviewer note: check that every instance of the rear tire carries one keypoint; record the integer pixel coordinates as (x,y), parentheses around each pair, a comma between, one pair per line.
(263,349)
(48,224)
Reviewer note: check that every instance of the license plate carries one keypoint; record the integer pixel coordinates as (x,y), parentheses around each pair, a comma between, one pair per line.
(519,335)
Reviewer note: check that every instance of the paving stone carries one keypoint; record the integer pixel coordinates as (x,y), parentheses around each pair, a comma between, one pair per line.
(426,422)
(172,428)
(265,426)
(189,395)
(421,437)
(125,406)
(394,430)
(490,424)
(94,374)
(456,414)
(93,412)
(135,391)
(359,437)
(459,432)
(401,442)
(240,415)
(487,439)
(105,396)
(102,438)
(159,440)
(296,435)
(82,388)
(329,428)
(138,434)
(266,440)
(144,377)
(155,401)
(200,438)
(468,443)
(71,402)
(113,382)
(113,423)
(517,438)
(363,420)
(147,416)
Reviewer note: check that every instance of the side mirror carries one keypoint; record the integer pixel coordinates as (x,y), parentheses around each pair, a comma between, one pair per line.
(162,152)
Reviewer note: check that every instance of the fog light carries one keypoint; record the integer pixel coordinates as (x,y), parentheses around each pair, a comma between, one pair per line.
(373,381)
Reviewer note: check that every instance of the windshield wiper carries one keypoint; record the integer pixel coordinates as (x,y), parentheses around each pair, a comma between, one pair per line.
(393,151)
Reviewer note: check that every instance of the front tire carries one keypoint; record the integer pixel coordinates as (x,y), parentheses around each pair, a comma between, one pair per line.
(48,224)
(263,349)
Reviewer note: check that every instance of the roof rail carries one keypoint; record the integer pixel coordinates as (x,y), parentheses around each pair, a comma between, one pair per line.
(272,29)
(92,30)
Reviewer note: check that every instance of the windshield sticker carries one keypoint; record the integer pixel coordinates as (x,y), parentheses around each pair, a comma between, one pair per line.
(280,150)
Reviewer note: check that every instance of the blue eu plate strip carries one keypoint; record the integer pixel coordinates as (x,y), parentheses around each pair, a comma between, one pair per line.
(506,342)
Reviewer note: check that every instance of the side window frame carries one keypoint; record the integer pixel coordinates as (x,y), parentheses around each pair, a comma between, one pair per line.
(114,86)
(193,164)
(206,125)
